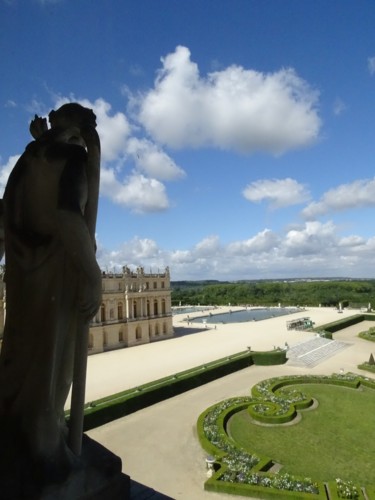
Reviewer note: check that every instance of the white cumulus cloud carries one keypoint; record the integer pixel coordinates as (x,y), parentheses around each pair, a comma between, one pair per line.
(133,253)
(5,170)
(360,193)
(278,192)
(235,108)
(265,241)
(152,160)
(339,107)
(139,193)
(313,249)
(371,65)
(313,238)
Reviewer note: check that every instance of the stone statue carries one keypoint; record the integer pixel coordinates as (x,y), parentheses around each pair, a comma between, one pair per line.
(53,286)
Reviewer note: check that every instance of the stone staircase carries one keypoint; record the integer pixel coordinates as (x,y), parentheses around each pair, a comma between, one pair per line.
(312,352)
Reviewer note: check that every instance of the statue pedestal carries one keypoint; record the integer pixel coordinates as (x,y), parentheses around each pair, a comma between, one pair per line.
(98,476)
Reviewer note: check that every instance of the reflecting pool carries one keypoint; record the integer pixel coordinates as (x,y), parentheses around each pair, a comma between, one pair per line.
(191,309)
(244,315)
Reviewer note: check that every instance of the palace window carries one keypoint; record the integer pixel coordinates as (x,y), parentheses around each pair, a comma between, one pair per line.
(102,313)
(120,313)
(138,333)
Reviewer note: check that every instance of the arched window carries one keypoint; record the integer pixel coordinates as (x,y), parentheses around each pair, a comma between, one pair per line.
(148,309)
(164,328)
(134,309)
(163,307)
(102,313)
(157,332)
(120,313)
(156,308)
(111,313)
(150,331)
(121,335)
(138,333)
(105,339)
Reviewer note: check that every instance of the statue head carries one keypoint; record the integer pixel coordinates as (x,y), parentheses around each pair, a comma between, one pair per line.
(72,115)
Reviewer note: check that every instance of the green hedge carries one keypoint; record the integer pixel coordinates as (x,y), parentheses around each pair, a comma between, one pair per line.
(275,384)
(118,405)
(367,367)
(268,358)
(345,322)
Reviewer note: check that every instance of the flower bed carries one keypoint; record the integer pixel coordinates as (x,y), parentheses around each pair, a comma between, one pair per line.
(243,472)
(344,489)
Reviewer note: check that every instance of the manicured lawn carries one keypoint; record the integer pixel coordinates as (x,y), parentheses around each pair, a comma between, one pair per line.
(335,440)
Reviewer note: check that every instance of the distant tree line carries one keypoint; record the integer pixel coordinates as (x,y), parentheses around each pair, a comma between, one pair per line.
(271,293)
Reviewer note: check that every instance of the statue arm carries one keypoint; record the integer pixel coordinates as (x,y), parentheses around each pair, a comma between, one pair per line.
(74,231)
(92,141)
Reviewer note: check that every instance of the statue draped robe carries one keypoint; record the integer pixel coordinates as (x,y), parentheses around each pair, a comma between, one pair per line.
(44,204)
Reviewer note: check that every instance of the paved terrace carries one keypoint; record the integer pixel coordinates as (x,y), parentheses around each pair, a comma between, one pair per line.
(158,445)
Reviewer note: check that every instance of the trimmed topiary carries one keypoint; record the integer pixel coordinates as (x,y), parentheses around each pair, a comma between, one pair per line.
(268,358)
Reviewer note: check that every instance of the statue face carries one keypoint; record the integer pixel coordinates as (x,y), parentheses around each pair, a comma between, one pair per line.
(70,134)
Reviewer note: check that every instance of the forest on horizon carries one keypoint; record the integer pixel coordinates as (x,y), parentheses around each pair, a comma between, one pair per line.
(328,293)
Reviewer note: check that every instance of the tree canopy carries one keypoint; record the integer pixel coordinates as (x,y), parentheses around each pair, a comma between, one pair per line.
(356,293)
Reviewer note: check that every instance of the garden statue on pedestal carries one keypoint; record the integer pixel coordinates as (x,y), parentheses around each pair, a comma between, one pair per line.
(53,290)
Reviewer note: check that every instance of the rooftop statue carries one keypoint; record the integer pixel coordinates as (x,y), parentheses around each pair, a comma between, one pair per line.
(53,286)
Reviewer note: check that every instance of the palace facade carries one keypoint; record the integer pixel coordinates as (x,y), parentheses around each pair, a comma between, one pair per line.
(136,309)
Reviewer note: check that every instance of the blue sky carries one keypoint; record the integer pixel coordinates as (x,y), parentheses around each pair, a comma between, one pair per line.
(237,136)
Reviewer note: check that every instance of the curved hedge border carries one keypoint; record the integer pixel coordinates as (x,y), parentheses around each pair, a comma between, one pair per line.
(241,471)
(368,335)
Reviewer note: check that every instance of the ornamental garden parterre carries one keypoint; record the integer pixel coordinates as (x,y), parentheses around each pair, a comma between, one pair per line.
(234,467)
